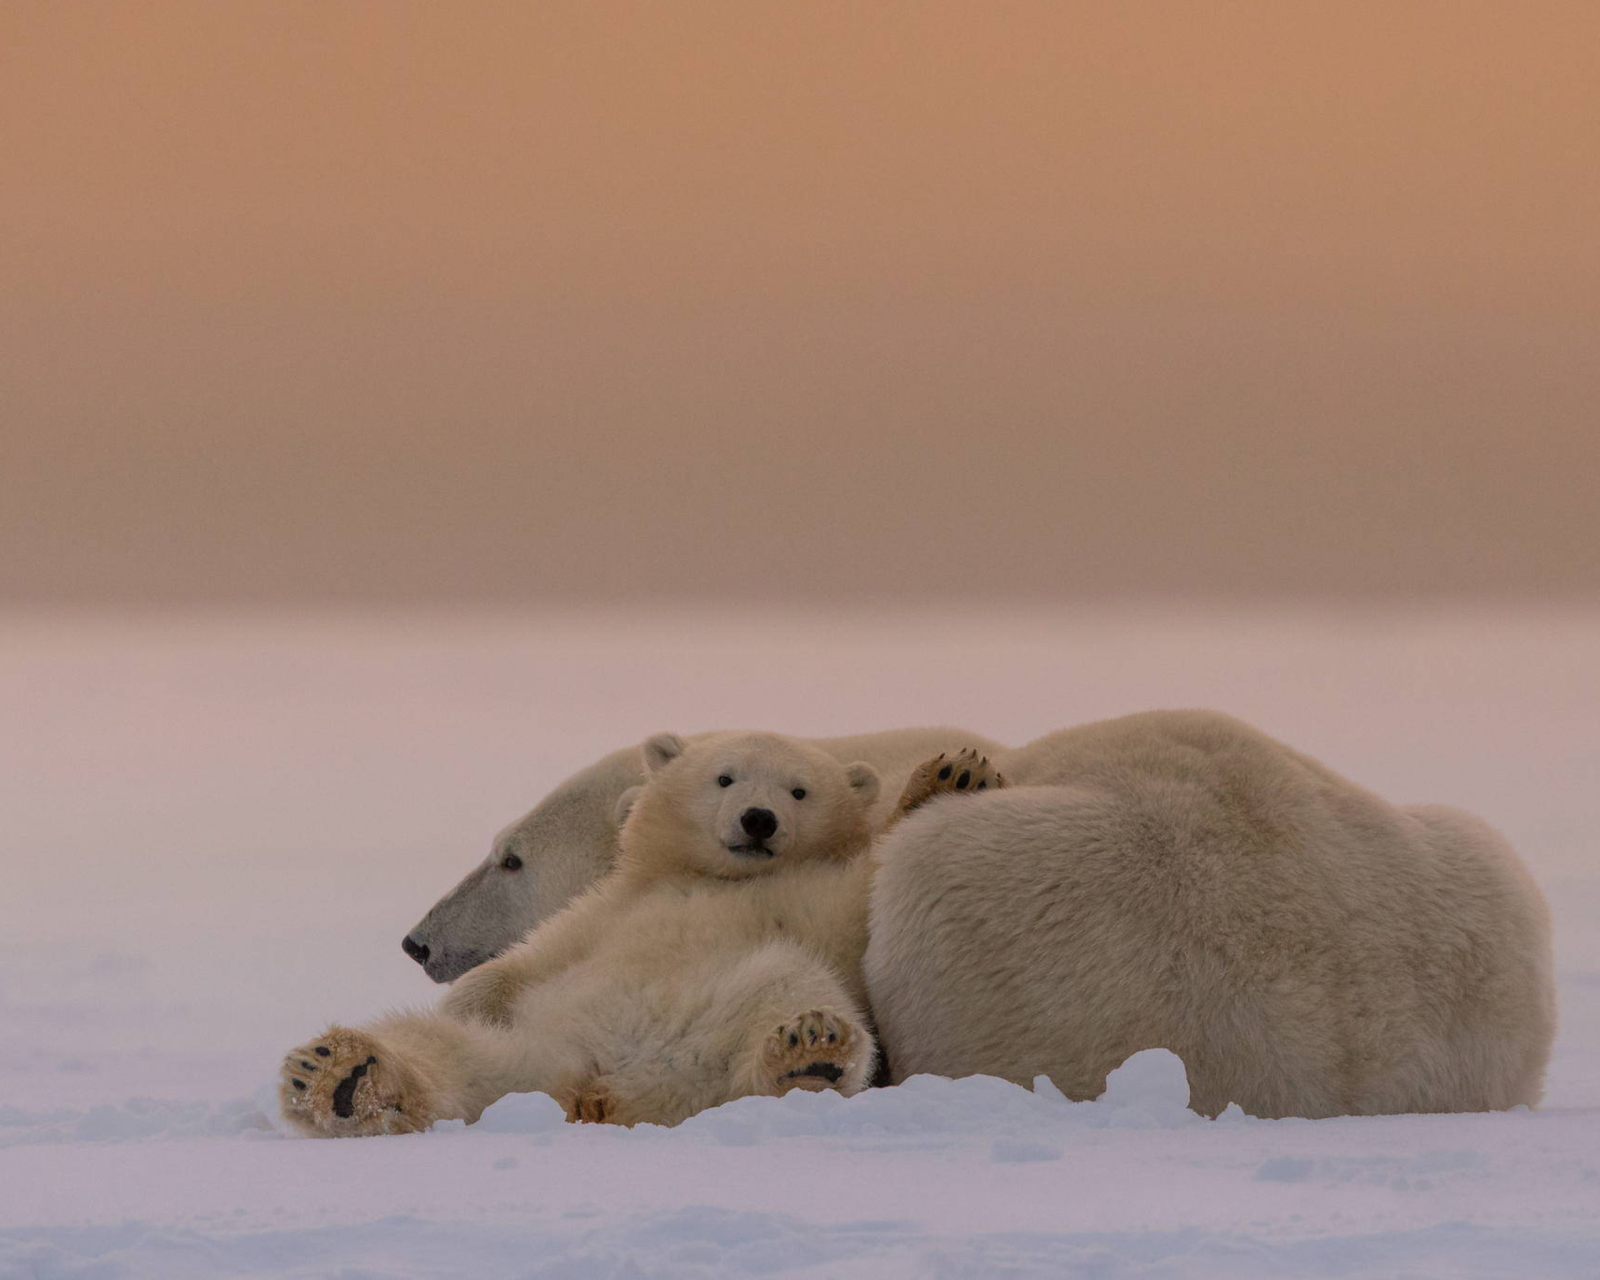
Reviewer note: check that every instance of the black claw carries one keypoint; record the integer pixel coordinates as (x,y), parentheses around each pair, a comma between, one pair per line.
(322,1051)
(961,782)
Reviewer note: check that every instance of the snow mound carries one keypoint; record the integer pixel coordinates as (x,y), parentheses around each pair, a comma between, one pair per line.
(532,1113)
(1148,1091)
(134,1119)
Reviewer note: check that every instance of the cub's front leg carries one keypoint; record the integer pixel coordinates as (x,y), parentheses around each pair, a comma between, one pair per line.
(488,994)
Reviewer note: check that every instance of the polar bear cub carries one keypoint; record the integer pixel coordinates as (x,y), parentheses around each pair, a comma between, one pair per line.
(721,958)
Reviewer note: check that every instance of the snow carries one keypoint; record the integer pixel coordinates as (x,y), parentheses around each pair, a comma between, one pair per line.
(217,830)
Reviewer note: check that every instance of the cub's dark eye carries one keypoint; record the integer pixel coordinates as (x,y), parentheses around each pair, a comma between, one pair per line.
(511,862)
(799,793)
(724,781)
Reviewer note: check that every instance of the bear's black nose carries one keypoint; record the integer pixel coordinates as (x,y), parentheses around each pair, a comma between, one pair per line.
(418,951)
(758,824)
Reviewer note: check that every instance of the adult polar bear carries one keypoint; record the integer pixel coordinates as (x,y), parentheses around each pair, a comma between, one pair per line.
(1176,880)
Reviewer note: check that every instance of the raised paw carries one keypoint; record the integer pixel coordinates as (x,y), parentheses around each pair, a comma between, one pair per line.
(344,1084)
(815,1051)
(965,771)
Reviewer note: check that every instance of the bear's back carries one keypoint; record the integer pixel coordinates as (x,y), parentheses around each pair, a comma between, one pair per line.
(1180,880)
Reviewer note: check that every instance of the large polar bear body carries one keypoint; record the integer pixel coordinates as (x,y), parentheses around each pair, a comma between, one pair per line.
(1180,880)
(1172,879)
(720,958)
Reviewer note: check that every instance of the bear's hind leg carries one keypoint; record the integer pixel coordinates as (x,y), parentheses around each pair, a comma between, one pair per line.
(346,1084)
(594,1102)
(402,1073)
(802,1029)
(815,1050)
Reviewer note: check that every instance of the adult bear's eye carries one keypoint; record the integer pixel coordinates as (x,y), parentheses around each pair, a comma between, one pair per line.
(799,793)
(724,781)
(511,862)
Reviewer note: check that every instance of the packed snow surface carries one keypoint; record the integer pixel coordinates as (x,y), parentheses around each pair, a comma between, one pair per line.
(216,832)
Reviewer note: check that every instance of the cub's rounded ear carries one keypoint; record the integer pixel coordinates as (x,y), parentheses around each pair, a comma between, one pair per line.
(661,750)
(863,781)
(625,803)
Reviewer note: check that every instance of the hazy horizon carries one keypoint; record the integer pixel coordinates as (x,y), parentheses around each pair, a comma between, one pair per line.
(400,304)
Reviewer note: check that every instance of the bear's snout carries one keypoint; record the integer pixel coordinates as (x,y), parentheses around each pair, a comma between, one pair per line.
(759,824)
(418,951)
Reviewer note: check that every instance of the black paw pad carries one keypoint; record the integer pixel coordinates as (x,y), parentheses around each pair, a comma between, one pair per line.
(821,1070)
(299,1084)
(344,1094)
(962,779)
(944,773)
(322,1051)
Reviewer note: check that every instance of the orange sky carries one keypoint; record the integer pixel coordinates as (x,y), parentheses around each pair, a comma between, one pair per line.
(535,301)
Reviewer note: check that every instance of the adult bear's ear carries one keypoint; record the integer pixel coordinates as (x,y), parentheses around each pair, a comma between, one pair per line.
(625,803)
(863,781)
(661,750)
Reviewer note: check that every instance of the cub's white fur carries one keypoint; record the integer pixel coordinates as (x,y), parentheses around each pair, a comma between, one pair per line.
(568,841)
(1180,880)
(698,971)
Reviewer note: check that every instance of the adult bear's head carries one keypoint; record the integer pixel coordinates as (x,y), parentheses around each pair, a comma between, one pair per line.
(535,867)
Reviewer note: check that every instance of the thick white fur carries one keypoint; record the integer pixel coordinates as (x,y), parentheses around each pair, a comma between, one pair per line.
(568,841)
(689,976)
(1180,880)
(1173,879)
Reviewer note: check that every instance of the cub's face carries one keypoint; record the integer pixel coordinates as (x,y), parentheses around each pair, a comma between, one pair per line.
(744,805)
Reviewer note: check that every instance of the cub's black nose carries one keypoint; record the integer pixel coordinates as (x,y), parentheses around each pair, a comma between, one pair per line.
(758,824)
(418,951)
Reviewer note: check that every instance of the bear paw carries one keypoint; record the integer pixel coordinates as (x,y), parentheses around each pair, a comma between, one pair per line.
(344,1084)
(814,1051)
(591,1104)
(966,772)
